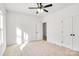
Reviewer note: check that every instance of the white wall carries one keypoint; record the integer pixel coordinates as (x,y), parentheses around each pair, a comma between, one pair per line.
(25,22)
(3,46)
(53,29)
(54,26)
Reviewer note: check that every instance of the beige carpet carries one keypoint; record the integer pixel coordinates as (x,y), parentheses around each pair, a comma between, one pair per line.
(39,48)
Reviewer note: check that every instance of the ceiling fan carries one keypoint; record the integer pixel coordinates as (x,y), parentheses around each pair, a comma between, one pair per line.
(40,7)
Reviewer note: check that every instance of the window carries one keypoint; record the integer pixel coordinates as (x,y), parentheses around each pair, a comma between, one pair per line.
(18,35)
(25,36)
(1,28)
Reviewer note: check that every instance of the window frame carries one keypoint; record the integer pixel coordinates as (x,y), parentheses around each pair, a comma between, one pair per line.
(1,27)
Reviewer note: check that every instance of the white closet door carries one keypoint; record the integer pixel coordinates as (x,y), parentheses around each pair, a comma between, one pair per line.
(76,32)
(67,31)
(39,31)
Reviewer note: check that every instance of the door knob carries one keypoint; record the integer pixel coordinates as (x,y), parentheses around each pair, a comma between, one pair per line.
(73,34)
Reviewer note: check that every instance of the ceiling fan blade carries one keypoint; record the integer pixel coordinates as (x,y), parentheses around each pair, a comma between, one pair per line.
(48,6)
(45,10)
(38,5)
(33,8)
(41,5)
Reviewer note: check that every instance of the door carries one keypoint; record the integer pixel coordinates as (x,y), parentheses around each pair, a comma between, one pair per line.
(76,33)
(44,32)
(38,30)
(67,32)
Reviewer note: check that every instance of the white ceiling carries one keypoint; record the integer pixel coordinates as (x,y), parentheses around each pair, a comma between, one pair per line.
(23,7)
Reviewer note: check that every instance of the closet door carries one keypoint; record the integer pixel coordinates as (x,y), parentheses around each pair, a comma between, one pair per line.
(38,31)
(76,33)
(67,32)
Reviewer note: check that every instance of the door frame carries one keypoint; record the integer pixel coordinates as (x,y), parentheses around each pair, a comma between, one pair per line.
(44,34)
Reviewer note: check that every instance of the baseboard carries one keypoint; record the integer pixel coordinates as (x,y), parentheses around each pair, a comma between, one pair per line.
(34,40)
(61,45)
(11,44)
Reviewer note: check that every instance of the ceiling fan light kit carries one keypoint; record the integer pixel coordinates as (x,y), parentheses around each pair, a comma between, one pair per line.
(40,8)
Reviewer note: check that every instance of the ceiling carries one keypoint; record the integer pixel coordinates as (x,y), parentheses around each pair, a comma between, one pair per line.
(23,8)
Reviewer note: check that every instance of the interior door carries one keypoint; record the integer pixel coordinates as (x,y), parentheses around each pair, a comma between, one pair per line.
(76,33)
(67,32)
(38,31)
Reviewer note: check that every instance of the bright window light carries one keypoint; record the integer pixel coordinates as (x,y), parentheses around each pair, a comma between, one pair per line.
(23,45)
(1,28)
(18,35)
(25,36)
(25,41)
(1,21)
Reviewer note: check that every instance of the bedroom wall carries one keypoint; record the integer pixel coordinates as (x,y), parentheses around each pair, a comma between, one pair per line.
(25,23)
(3,45)
(54,25)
